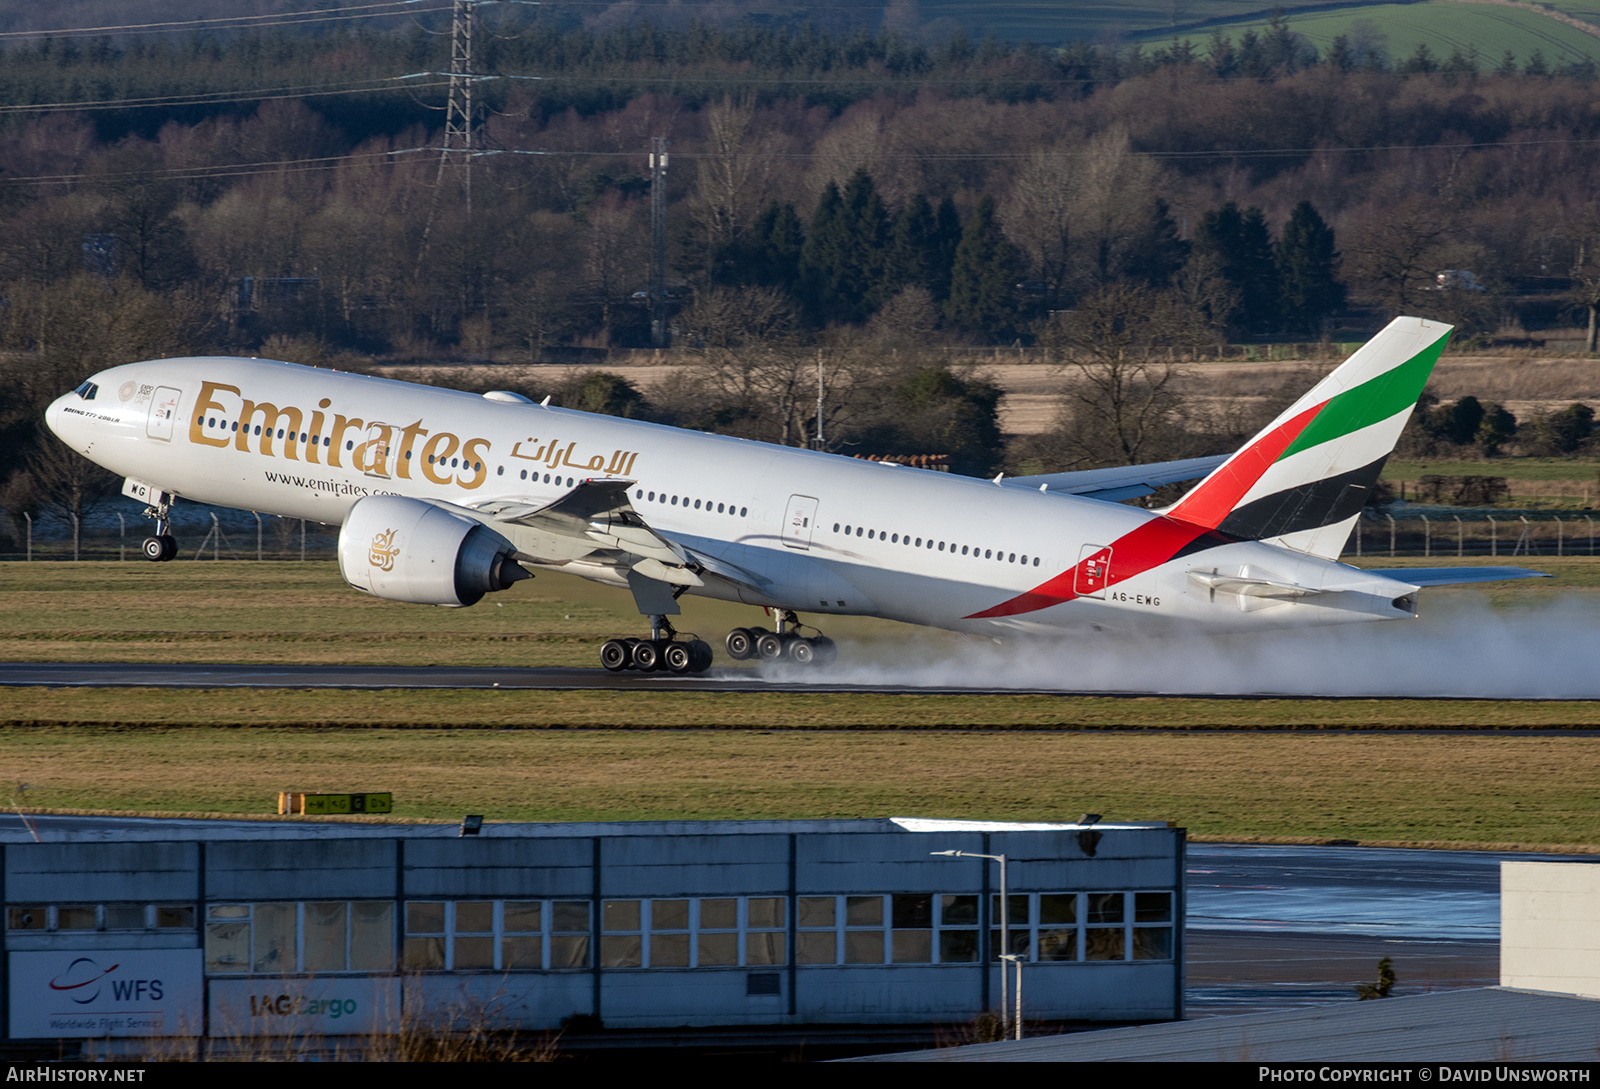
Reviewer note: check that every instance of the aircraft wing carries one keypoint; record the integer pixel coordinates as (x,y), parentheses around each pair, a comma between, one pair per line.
(1115,485)
(596,523)
(1450,576)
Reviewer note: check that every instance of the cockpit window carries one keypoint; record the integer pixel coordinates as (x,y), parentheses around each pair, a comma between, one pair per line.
(87,390)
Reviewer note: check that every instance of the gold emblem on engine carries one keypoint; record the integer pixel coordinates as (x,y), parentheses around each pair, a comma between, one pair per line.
(383,551)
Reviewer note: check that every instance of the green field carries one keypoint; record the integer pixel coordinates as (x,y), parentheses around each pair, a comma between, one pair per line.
(1443,25)
(1505,791)
(1484,29)
(1053,23)
(1579,469)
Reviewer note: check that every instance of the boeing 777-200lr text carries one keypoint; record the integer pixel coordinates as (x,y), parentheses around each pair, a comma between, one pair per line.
(445,496)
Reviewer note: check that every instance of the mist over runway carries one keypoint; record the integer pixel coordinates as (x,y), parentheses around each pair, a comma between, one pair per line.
(1460,649)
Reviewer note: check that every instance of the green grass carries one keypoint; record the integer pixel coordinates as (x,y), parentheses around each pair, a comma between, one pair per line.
(303,612)
(1054,22)
(1443,27)
(1579,469)
(1474,791)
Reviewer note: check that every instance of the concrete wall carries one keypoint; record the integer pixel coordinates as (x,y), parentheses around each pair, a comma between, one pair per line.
(1550,926)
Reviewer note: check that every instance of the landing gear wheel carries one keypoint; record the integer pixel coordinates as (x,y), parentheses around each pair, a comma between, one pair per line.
(825,650)
(615,655)
(159,549)
(677,657)
(770,646)
(700,656)
(646,656)
(802,652)
(741,644)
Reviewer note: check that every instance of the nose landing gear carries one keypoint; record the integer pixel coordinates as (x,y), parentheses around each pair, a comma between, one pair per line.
(161,547)
(784,645)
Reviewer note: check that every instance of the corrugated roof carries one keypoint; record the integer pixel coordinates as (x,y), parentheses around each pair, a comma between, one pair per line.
(1484,1025)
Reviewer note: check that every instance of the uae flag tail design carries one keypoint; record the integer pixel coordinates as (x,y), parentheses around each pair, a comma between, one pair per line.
(1303,480)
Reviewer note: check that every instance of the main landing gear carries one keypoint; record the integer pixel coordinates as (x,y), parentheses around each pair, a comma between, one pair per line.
(161,547)
(662,651)
(783,645)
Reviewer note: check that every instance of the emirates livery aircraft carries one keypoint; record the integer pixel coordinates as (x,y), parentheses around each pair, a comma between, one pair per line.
(445,496)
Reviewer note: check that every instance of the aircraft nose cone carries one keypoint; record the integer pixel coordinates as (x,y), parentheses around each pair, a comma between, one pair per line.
(52,416)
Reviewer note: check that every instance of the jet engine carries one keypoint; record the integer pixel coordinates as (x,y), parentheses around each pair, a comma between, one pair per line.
(405,549)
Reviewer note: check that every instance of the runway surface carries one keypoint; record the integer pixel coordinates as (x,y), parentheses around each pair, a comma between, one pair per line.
(146,675)
(722,679)
(1276,927)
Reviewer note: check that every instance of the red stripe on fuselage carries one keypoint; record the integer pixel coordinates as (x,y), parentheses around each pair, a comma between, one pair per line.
(1149,545)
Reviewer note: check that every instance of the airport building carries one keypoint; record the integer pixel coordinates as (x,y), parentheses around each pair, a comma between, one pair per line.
(233,930)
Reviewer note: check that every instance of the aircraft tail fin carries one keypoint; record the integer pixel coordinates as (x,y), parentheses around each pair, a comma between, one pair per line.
(1303,480)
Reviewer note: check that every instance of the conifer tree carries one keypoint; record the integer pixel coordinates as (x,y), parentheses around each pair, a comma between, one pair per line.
(948,235)
(860,281)
(915,257)
(1154,253)
(823,254)
(983,276)
(1242,248)
(776,240)
(1308,290)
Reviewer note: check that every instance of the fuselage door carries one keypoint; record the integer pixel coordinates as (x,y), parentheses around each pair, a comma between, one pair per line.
(373,455)
(163,411)
(1094,568)
(799,520)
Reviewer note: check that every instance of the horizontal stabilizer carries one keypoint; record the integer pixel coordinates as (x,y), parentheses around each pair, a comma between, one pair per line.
(1123,482)
(1450,576)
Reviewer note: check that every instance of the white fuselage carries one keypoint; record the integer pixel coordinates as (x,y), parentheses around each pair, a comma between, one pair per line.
(827,534)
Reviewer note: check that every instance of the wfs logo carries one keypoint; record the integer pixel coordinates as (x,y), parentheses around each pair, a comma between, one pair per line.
(383,551)
(84,980)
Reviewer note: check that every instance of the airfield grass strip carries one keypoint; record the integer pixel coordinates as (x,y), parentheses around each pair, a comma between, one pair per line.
(137,708)
(1480,790)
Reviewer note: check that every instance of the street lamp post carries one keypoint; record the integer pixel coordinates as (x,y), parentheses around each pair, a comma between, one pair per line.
(1005,955)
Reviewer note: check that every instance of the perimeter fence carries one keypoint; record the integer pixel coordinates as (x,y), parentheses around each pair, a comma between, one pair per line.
(1441,534)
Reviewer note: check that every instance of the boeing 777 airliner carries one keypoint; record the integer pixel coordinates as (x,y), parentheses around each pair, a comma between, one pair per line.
(445,496)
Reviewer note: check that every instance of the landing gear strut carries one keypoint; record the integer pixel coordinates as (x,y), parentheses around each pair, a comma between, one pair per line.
(161,547)
(785,644)
(662,651)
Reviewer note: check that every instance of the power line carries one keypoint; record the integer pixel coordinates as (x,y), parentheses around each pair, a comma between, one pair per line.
(235,22)
(334,162)
(206,98)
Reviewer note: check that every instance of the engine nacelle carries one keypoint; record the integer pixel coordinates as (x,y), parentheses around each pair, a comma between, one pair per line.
(410,550)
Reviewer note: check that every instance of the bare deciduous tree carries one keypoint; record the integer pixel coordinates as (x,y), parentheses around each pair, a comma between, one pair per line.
(1073,206)
(1118,349)
(728,317)
(1396,253)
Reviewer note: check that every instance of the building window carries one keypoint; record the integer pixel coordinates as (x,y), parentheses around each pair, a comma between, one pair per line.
(496,935)
(319,936)
(125,917)
(713,932)
(921,928)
